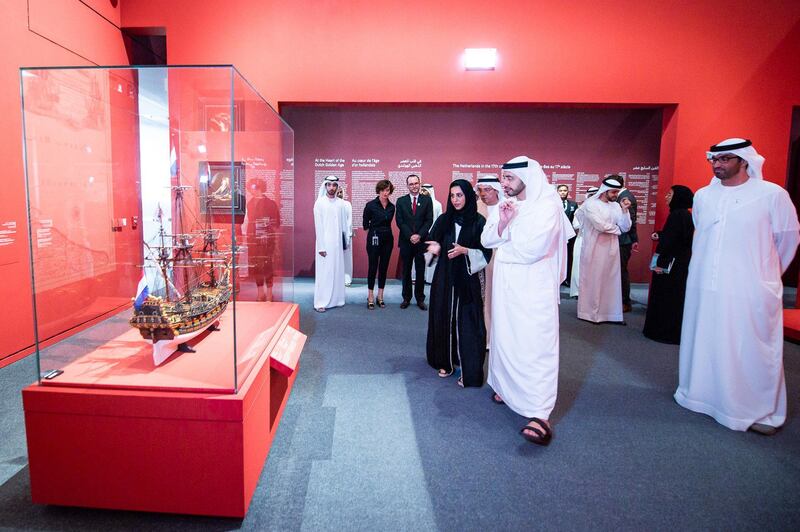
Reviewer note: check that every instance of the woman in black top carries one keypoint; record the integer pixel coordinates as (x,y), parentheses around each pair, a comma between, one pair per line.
(668,290)
(378,215)
(456,330)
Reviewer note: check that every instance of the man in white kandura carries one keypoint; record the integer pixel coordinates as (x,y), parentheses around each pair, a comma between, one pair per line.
(428,190)
(731,355)
(530,233)
(490,194)
(329,260)
(603,221)
(347,214)
(577,221)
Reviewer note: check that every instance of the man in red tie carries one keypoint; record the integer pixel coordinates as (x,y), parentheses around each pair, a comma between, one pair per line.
(414,219)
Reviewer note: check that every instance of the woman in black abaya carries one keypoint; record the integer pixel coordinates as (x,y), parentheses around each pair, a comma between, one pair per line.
(668,290)
(456,330)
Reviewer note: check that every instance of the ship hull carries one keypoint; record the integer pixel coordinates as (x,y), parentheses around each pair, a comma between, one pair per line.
(159,320)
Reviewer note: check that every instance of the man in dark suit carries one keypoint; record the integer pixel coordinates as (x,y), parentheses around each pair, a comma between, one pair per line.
(414,216)
(570,207)
(628,243)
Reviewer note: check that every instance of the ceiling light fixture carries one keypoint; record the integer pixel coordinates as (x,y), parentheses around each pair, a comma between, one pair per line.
(480,58)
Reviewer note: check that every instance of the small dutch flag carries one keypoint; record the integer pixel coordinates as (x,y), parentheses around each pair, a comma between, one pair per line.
(142,291)
(173,163)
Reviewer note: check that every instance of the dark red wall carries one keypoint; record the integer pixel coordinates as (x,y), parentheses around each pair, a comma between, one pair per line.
(364,143)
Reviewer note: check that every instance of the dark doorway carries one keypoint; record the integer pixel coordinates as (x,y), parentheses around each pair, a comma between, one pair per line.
(145,46)
(793,186)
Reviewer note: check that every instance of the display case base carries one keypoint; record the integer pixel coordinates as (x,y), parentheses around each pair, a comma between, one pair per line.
(791,324)
(158,450)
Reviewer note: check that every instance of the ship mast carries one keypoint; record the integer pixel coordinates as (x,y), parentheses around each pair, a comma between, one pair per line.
(210,243)
(163,254)
(181,241)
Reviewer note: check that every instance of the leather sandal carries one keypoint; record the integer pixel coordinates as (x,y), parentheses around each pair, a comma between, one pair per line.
(496,399)
(370,305)
(539,436)
(381,303)
(761,428)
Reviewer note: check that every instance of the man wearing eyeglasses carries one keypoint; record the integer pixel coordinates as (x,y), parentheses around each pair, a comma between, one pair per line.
(731,354)
(414,218)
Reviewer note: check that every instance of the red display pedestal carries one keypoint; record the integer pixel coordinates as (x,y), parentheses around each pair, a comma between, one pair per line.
(160,450)
(791,324)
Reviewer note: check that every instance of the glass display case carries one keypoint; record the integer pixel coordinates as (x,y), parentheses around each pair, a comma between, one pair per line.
(160,211)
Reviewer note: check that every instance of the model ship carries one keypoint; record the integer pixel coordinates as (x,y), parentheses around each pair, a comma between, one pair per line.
(195,281)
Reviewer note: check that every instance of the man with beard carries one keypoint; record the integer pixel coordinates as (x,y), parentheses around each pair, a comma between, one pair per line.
(731,354)
(530,233)
(603,221)
(331,235)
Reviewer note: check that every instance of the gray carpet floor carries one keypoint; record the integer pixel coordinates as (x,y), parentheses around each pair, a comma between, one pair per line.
(372,439)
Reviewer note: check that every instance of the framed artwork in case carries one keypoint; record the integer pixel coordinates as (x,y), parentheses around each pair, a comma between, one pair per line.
(217,117)
(219,190)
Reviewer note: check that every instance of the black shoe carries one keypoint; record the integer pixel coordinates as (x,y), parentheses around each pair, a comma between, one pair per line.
(422,305)
(404,304)
(540,435)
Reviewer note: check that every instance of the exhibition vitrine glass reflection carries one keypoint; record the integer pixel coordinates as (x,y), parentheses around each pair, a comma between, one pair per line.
(161,224)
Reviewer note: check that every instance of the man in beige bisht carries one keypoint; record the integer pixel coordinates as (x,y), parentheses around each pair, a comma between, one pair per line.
(604,219)
(490,193)
(530,233)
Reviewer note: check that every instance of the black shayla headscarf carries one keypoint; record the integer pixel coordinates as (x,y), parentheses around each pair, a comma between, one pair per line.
(682,198)
(470,211)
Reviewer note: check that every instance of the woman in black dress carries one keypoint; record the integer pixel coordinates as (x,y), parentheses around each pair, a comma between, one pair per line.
(668,290)
(377,220)
(456,330)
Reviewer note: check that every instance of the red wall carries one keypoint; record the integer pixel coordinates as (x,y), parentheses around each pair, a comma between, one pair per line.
(729,67)
(38,33)
(83,161)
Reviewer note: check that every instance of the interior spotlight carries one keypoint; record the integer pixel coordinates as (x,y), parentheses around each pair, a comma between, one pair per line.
(480,58)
